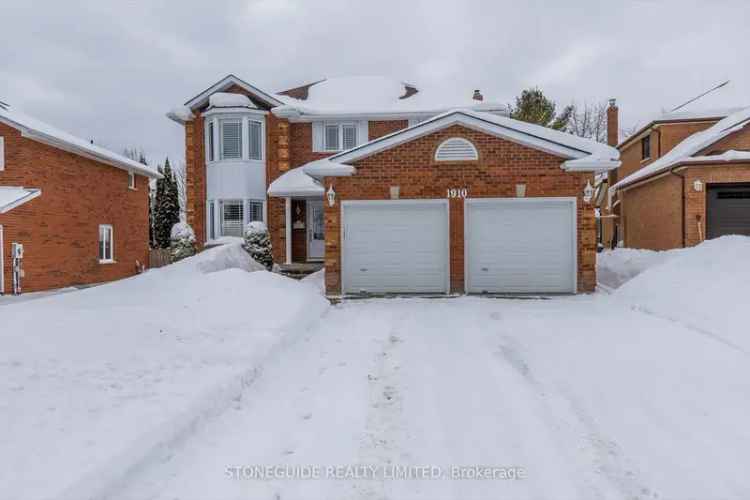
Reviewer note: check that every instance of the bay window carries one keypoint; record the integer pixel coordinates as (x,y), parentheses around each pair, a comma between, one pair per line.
(234,137)
(255,132)
(229,217)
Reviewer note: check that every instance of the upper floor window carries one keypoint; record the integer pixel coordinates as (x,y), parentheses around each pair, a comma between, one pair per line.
(231,139)
(255,131)
(646,148)
(2,153)
(131,180)
(234,138)
(340,136)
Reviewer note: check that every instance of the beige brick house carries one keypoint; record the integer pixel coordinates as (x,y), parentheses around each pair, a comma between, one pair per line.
(394,188)
(685,177)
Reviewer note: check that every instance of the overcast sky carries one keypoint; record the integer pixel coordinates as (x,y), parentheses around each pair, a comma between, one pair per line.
(110,70)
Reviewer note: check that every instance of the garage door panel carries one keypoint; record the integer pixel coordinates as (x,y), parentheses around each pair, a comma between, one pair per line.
(728,210)
(395,247)
(520,246)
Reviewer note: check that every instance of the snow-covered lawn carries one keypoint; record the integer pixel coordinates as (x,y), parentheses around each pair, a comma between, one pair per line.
(164,386)
(93,382)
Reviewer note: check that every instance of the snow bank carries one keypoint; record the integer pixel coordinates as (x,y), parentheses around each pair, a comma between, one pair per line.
(615,267)
(704,287)
(99,380)
(318,280)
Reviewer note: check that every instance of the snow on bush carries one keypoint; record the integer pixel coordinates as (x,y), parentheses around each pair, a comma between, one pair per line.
(182,241)
(258,243)
(704,287)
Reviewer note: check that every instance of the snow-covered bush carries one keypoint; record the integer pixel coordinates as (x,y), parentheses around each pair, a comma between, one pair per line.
(182,241)
(258,243)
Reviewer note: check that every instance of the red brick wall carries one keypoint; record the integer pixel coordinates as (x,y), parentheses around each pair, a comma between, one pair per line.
(501,166)
(652,214)
(60,228)
(381,128)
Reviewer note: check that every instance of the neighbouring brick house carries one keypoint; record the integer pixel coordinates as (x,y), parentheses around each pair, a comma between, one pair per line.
(79,211)
(685,177)
(393,188)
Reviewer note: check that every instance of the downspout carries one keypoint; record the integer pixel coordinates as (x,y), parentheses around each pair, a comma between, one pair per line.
(682,199)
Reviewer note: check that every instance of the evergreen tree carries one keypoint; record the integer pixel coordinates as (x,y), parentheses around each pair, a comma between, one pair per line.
(534,107)
(166,207)
(258,243)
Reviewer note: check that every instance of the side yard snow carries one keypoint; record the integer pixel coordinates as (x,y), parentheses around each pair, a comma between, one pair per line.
(618,266)
(92,382)
(704,288)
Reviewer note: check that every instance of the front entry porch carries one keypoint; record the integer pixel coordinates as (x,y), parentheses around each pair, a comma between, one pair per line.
(303,222)
(305,235)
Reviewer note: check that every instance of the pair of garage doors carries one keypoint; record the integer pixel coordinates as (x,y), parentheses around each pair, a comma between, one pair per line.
(511,245)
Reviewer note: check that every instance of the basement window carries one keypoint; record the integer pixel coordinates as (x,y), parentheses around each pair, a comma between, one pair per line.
(646,148)
(106,244)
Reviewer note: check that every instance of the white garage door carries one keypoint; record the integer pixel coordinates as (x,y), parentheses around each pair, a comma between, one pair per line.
(398,246)
(520,245)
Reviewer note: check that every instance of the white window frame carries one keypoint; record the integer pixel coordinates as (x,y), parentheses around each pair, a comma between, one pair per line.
(340,126)
(210,140)
(232,201)
(234,121)
(131,180)
(261,149)
(2,153)
(103,230)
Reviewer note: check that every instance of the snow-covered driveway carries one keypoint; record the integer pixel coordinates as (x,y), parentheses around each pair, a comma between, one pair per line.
(581,396)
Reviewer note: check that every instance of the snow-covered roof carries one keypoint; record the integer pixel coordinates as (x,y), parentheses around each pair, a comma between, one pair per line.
(13,196)
(326,167)
(230,100)
(581,153)
(374,96)
(228,82)
(42,132)
(693,144)
(295,182)
(696,114)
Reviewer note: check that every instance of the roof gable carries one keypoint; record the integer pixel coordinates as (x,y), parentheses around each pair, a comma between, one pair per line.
(581,154)
(228,82)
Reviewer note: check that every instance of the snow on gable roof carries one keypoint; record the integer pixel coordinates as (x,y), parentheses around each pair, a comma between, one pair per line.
(42,132)
(693,144)
(371,96)
(12,196)
(580,153)
(295,183)
(230,100)
(230,81)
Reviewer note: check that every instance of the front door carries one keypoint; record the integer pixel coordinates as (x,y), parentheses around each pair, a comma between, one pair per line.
(315,230)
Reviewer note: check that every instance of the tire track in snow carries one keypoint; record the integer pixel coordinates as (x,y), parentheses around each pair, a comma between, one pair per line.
(609,459)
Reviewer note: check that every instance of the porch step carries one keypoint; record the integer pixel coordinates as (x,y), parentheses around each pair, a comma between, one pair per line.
(299,270)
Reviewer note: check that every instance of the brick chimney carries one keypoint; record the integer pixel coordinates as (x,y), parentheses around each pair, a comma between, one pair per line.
(478,95)
(613,123)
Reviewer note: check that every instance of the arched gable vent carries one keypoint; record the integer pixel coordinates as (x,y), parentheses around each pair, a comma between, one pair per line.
(456,149)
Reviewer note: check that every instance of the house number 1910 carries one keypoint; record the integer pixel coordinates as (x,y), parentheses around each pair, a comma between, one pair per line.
(457,192)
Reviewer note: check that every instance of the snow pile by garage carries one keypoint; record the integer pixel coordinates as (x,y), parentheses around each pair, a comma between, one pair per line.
(618,266)
(704,287)
(96,382)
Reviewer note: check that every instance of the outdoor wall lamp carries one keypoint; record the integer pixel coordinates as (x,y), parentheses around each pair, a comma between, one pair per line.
(331,195)
(698,186)
(588,192)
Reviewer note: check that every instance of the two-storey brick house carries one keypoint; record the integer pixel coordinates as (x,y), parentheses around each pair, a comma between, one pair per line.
(79,211)
(685,177)
(394,188)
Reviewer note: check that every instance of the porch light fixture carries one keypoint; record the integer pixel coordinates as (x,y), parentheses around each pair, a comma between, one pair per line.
(588,192)
(331,195)
(698,185)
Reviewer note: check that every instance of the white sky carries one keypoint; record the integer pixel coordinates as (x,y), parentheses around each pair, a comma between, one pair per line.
(110,70)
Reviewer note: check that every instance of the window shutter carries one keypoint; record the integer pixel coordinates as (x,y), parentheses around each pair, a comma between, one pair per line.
(363,132)
(456,149)
(317,135)
(231,140)
(2,153)
(254,143)
(349,134)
